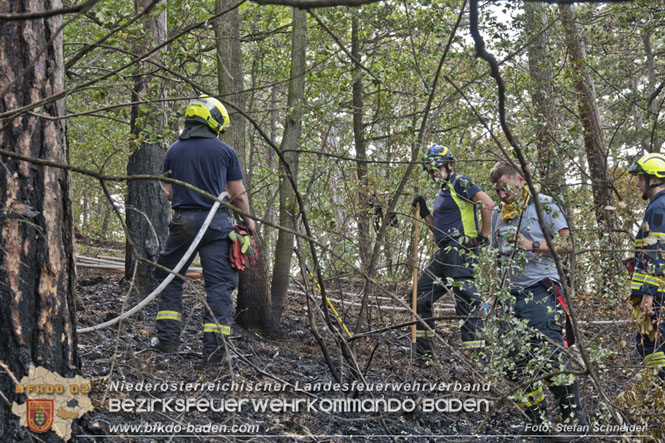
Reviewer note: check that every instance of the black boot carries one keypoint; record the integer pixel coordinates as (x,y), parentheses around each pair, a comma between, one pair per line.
(574,423)
(424,347)
(570,404)
(164,346)
(537,420)
(215,352)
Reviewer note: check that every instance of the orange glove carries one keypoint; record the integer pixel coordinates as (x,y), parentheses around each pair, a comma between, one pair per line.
(243,251)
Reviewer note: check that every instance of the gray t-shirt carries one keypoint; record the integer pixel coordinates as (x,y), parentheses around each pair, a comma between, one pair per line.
(525,267)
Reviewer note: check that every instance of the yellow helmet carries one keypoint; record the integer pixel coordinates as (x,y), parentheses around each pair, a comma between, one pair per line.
(650,164)
(210,111)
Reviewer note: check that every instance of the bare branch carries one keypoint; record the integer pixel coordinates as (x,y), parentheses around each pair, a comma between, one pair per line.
(342,47)
(15,112)
(83,7)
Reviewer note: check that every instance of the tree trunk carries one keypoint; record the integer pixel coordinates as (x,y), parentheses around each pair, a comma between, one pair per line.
(361,151)
(37,271)
(550,166)
(230,78)
(288,207)
(147,215)
(146,206)
(649,138)
(594,143)
(253,307)
(364,246)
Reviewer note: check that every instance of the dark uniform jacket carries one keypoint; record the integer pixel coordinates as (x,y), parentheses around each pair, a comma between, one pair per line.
(649,275)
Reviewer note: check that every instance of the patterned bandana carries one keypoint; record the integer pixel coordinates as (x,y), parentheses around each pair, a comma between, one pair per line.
(510,211)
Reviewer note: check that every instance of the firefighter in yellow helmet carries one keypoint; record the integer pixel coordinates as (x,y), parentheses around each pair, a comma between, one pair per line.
(199,158)
(648,284)
(203,116)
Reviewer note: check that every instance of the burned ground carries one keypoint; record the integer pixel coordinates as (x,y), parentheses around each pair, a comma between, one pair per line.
(288,367)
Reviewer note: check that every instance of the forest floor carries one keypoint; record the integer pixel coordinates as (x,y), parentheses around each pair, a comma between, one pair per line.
(285,371)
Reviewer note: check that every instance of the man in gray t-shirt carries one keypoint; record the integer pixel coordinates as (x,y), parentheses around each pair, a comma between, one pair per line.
(539,265)
(535,288)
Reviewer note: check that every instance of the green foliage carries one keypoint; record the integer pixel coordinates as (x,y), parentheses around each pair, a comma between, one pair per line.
(401,45)
(599,354)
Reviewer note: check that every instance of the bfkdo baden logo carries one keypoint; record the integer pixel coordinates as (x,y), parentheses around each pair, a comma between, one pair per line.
(52,402)
(39,415)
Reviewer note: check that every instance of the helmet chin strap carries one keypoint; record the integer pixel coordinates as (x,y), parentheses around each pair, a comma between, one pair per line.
(649,186)
(444,181)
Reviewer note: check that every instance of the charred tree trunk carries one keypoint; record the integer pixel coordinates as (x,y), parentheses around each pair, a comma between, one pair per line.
(288,207)
(147,215)
(146,207)
(253,308)
(37,271)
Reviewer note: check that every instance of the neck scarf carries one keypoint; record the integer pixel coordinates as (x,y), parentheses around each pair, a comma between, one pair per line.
(194,129)
(510,211)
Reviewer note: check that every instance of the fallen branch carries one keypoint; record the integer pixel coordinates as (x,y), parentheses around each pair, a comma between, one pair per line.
(382,307)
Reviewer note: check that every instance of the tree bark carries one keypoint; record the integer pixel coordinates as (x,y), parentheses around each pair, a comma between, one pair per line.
(147,215)
(550,166)
(230,77)
(146,206)
(37,271)
(649,138)
(253,307)
(361,151)
(594,144)
(364,242)
(288,207)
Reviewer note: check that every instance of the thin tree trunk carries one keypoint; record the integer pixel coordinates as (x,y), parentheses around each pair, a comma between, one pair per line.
(364,245)
(649,138)
(229,77)
(287,203)
(361,151)
(550,166)
(253,308)
(38,325)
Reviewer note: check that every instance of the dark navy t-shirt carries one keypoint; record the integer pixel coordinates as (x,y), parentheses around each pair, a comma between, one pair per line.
(454,213)
(207,163)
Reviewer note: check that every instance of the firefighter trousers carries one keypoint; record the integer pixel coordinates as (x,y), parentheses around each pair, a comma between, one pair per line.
(433,283)
(540,342)
(220,279)
(653,351)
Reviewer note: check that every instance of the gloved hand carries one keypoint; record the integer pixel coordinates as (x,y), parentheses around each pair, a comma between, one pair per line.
(422,205)
(243,250)
(629,263)
(643,321)
(481,240)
